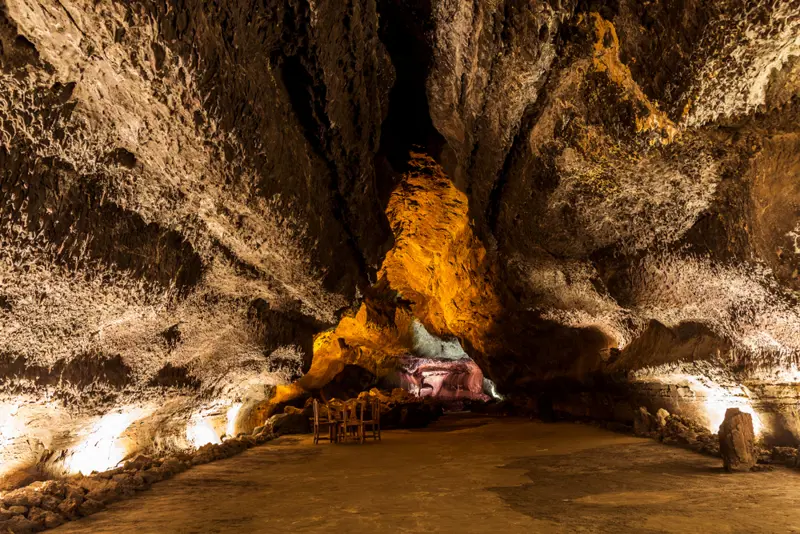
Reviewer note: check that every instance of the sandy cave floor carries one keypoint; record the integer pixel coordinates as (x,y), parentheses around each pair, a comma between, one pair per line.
(463,474)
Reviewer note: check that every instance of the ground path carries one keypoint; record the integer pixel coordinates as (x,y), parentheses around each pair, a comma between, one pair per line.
(464,474)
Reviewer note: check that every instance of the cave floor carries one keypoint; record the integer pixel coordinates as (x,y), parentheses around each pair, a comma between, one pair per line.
(463,474)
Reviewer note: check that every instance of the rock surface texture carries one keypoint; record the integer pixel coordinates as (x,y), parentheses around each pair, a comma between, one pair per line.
(210,209)
(737,441)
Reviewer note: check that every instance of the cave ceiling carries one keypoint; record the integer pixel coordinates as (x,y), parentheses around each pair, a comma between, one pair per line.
(191,191)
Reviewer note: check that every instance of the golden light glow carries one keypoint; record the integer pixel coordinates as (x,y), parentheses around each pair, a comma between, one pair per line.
(103,449)
(437,264)
(200,432)
(717,403)
(713,398)
(10,429)
(233,413)
(8,423)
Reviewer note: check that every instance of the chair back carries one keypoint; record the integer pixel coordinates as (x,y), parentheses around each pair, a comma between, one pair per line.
(376,410)
(316,412)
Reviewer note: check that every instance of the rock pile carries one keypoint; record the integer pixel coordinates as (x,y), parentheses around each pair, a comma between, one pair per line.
(675,430)
(737,441)
(44,505)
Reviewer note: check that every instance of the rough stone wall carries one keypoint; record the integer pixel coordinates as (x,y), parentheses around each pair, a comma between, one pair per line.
(187,197)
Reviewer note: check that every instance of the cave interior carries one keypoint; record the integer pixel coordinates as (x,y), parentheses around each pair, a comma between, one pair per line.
(211,213)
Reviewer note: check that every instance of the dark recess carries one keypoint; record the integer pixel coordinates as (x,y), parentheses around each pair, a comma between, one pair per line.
(405,29)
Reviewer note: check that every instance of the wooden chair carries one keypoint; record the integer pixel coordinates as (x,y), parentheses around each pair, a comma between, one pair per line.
(352,425)
(325,421)
(374,422)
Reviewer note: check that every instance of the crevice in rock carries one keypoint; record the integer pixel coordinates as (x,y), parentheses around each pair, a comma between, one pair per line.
(405,32)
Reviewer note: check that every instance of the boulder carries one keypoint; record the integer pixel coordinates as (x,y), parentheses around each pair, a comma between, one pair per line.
(70,507)
(139,463)
(44,518)
(50,503)
(737,441)
(152,476)
(644,423)
(109,492)
(20,524)
(50,487)
(172,466)
(661,417)
(90,506)
(27,497)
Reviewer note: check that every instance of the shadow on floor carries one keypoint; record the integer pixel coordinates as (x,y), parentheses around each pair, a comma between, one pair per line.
(610,489)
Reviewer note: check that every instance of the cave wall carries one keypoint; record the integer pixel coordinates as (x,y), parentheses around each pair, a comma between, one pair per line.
(187,196)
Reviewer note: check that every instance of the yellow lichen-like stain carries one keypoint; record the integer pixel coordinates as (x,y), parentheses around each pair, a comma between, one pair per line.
(606,59)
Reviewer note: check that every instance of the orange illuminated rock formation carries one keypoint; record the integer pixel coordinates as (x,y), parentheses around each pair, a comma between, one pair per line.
(437,262)
(438,271)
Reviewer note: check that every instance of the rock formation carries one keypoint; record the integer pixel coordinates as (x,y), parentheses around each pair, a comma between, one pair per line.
(737,441)
(208,210)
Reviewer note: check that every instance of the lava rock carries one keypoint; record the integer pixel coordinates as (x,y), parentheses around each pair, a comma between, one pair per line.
(139,463)
(26,496)
(50,503)
(90,506)
(20,525)
(661,417)
(45,519)
(172,466)
(644,423)
(152,476)
(737,441)
(55,488)
(70,507)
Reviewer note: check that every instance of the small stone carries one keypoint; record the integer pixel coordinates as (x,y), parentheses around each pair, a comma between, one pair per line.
(661,417)
(737,441)
(18,510)
(72,491)
(139,463)
(173,466)
(70,507)
(90,506)
(50,503)
(152,476)
(21,525)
